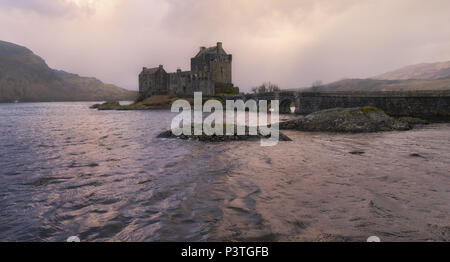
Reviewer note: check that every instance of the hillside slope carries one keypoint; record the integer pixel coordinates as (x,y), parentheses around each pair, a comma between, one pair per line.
(385,85)
(26,77)
(424,71)
(425,76)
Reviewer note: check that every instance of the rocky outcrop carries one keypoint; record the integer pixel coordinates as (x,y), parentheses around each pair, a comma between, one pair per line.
(220,138)
(352,120)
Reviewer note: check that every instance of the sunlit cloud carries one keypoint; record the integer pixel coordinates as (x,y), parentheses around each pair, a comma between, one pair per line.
(53,8)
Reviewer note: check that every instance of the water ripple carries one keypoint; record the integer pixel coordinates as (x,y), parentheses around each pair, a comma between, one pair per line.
(68,170)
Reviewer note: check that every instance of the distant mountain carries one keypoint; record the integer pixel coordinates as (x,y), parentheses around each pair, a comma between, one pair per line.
(26,77)
(424,71)
(385,85)
(426,76)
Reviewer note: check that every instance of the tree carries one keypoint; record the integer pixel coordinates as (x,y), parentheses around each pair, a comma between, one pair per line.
(266,87)
(262,89)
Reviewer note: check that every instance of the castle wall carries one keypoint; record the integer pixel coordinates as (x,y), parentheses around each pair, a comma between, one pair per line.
(144,83)
(205,86)
(179,82)
(221,69)
(153,83)
(186,83)
(215,66)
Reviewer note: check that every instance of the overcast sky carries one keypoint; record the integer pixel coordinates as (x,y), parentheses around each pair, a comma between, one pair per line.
(288,42)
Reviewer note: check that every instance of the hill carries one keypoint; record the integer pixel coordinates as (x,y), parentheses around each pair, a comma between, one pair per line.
(425,76)
(26,77)
(385,85)
(424,71)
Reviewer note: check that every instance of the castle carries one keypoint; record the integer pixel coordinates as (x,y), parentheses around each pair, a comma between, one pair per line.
(210,74)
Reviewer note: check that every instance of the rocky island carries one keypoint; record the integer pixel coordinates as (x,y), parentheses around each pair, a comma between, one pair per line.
(153,102)
(149,103)
(221,138)
(339,120)
(351,120)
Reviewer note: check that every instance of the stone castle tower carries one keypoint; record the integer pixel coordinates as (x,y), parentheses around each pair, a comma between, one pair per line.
(210,71)
(214,63)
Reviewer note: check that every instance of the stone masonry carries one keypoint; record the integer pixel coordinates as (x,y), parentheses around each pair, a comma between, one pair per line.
(210,67)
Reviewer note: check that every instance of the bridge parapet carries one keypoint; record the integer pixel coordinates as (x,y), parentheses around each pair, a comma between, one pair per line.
(419,93)
(426,104)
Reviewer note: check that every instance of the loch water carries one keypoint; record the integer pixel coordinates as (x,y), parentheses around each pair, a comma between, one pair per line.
(67,170)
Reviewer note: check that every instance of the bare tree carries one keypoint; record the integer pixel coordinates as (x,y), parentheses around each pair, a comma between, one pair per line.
(272,87)
(265,88)
(262,89)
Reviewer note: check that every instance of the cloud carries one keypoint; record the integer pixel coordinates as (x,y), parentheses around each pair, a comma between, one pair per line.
(53,8)
(289,42)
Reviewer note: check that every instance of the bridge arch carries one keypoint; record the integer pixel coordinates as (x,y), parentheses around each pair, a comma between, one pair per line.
(288,100)
(286,105)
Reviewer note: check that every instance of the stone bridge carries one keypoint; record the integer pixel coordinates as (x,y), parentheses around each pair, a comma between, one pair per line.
(427,104)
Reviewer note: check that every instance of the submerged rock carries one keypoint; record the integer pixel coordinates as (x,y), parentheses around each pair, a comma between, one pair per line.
(352,120)
(357,152)
(416,155)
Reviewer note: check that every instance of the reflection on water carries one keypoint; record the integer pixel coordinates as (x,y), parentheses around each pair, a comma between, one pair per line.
(102,175)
